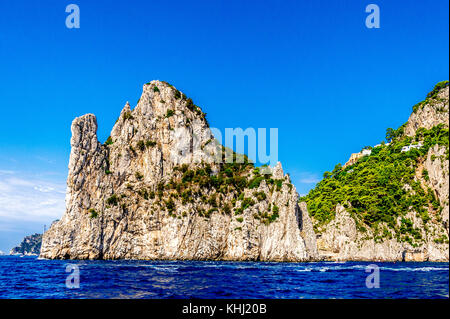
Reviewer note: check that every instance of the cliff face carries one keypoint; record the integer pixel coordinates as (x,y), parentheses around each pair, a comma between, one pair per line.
(391,205)
(155,190)
(430,112)
(30,245)
(341,240)
(161,187)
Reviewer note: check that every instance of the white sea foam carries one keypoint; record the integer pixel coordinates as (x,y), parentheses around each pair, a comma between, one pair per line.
(415,269)
(363,267)
(304,270)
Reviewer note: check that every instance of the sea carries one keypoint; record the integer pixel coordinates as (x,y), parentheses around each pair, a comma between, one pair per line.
(28,277)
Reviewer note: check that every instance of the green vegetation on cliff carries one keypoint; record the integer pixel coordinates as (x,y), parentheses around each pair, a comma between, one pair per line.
(206,191)
(383,186)
(431,96)
(29,245)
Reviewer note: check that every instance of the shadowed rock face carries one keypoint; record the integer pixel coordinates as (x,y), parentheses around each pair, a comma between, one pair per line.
(132,198)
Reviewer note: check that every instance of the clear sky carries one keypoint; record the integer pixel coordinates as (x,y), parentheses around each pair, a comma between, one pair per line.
(309,68)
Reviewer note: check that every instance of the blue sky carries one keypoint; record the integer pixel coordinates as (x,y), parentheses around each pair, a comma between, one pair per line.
(309,68)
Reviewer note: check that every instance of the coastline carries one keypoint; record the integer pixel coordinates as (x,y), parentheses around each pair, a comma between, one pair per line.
(255,261)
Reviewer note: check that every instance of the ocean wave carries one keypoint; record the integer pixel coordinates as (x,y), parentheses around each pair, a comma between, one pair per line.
(382,268)
(415,269)
(304,270)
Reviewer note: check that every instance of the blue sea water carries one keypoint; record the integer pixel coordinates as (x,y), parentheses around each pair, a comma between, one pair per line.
(29,277)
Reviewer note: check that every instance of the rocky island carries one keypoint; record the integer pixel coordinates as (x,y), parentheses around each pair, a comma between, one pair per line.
(30,245)
(156,190)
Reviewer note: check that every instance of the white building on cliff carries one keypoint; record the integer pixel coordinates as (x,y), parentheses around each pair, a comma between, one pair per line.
(411,146)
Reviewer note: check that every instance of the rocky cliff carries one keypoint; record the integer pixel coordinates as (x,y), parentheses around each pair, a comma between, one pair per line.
(30,245)
(392,204)
(161,187)
(430,112)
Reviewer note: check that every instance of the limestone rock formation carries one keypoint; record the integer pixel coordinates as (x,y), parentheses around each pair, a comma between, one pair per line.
(418,233)
(431,112)
(161,187)
(342,241)
(156,190)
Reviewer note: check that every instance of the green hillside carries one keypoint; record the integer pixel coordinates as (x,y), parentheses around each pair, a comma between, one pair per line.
(374,189)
